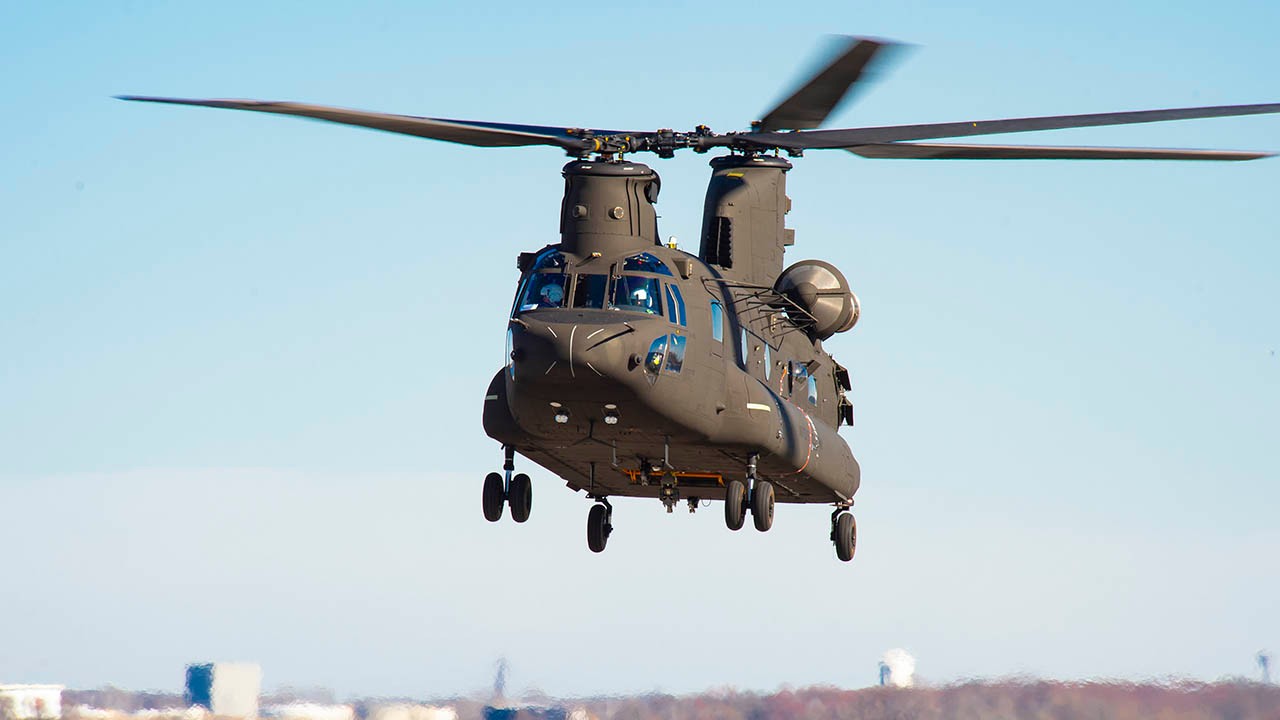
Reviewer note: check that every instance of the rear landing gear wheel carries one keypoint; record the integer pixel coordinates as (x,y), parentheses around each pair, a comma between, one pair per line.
(520,497)
(735,504)
(762,505)
(845,536)
(494,497)
(598,527)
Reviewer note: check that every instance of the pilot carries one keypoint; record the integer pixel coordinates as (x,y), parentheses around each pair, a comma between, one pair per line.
(551,296)
(640,298)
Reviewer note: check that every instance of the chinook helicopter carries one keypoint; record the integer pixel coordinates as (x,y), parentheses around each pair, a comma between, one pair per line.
(635,369)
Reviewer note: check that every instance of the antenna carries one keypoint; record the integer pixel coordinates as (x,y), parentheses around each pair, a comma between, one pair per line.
(1264,664)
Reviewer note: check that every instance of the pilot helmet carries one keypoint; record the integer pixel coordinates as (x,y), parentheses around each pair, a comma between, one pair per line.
(552,293)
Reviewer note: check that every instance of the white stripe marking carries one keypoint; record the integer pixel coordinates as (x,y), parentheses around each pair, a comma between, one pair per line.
(571,333)
(759,406)
(490,397)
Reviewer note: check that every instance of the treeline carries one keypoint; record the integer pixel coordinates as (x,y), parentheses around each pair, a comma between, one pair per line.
(1013,700)
(125,701)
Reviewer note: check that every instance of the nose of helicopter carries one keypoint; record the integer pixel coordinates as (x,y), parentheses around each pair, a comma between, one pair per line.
(559,347)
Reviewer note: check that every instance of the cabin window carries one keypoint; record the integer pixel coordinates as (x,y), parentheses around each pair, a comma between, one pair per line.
(743,345)
(590,291)
(644,262)
(800,378)
(768,360)
(676,304)
(637,294)
(717,321)
(544,290)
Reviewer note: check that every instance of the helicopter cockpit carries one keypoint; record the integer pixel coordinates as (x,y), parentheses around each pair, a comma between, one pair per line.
(549,284)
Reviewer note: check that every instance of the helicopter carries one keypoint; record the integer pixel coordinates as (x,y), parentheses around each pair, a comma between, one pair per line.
(636,369)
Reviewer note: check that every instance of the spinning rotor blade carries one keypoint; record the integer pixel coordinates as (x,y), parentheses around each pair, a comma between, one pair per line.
(852,137)
(945,151)
(483,134)
(810,105)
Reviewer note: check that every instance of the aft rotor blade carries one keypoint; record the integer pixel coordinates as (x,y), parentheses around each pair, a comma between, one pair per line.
(948,151)
(809,106)
(822,139)
(483,134)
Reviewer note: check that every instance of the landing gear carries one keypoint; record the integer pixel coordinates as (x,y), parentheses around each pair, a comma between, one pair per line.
(520,497)
(599,525)
(503,489)
(762,505)
(844,533)
(494,497)
(735,504)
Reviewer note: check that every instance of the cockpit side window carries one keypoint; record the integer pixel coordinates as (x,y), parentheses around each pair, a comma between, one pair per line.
(544,290)
(590,291)
(637,294)
(644,262)
(717,321)
(676,304)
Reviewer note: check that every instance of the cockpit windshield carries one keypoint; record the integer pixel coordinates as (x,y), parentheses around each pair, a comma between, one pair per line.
(590,291)
(545,290)
(557,289)
(637,294)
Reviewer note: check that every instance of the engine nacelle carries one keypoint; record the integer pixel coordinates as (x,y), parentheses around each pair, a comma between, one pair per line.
(821,291)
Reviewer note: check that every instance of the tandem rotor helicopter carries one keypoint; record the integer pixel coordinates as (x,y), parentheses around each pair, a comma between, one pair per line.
(635,369)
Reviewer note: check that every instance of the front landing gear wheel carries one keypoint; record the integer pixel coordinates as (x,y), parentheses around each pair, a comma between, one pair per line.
(598,527)
(845,535)
(520,497)
(494,497)
(735,504)
(762,505)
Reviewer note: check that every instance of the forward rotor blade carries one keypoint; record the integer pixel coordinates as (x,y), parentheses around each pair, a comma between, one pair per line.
(810,105)
(466,132)
(824,139)
(947,151)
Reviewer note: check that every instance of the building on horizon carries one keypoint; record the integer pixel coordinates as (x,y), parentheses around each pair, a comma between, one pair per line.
(31,702)
(225,689)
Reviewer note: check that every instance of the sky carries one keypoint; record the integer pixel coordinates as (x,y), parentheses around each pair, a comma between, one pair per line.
(242,357)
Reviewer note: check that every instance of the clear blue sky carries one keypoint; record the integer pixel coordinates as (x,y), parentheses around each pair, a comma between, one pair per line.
(241,374)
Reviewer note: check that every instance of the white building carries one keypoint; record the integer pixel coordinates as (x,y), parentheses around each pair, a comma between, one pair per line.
(30,702)
(225,689)
(897,669)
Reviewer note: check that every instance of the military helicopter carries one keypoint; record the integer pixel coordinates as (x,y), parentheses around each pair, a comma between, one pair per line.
(635,369)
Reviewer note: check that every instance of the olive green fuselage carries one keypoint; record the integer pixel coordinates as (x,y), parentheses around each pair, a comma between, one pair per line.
(632,364)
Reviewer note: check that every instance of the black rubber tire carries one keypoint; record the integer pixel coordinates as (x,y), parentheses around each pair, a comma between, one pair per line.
(846,536)
(762,505)
(598,528)
(494,497)
(735,504)
(520,497)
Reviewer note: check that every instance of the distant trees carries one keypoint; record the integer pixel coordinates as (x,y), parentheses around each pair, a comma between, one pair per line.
(1011,700)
